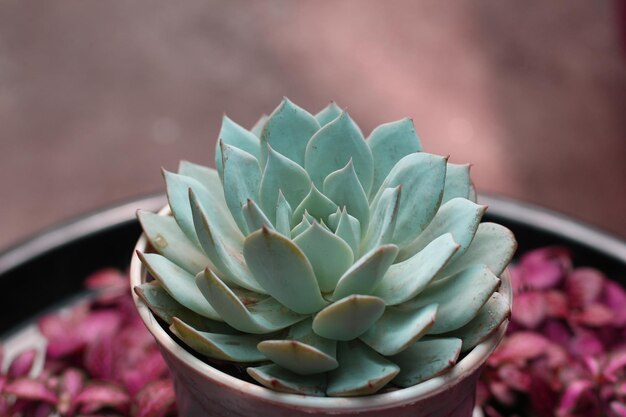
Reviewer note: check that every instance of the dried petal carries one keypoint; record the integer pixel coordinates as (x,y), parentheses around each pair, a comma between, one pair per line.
(529,309)
(594,315)
(520,347)
(544,268)
(579,397)
(30,389)
(97,395)
(614,297)
(583,286)
(156,399)
(22,364)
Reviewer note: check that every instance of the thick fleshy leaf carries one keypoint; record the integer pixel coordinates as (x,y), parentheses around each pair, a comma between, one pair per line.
(406,279)
(227,258)
(234,135)
(365,274)
(300,227)
(255,218)
(493,245)
(165,307)
(279,379)
(349,317)
(288,130)
(459,217)
(283,215)
(458,182)
(211,180)
(328,254)
(315,204)
(345,190)
(383,220)
(283,270)
(422,177)
(361,371)
(226,347)
(242,179)
(389,143)
(259,125)
(282,174)
(262,317)
(178,283)
(426,359)
(397,329)
(302,351)
(487,321)
(459,296)
(348,228)
(168,239)
(333,146)
(328,114)
(178,187)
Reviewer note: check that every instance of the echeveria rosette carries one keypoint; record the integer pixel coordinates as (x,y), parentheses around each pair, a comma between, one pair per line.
(330,263)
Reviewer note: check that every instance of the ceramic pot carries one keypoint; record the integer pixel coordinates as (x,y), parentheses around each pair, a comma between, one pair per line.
(202,390)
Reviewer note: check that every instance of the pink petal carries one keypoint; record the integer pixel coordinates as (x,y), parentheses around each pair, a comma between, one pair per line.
(514,377)
(594,315)
(615,367)
(556,304)
(71,384)
(60,331)
(97,395)
(557,332)
(544,268)
(22,364)
(106,279)
(583,286)
(585,343)
(145,371)
(576,394)
(155,400)
(99,324)
(614,297)
(502,393)
(618,409)
(99,358)
(543,398)
(529,309)
(31,389)
(520,347)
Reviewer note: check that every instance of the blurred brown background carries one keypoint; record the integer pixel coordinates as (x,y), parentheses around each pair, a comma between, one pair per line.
(96,96)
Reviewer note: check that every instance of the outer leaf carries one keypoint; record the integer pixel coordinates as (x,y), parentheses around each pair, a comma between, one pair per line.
(422,177)
(495,311)
(282,174)
(178,197)
(426,359)
(332,147)
(234,135)
(178,283)
(383,220)
(288,130)
(458,182)
(345,190)
(226,347)
(366,273)
(279,379)
(242,177)
(406,279)
(361,371)
(167,238)
(460,297)
(211,180)
(459,217)
(166,308)
(493,245)
(389,143)
(263,317)
(283,270)
(302,351)
(328,114)
(316,204)
(349,317)
(227,258)
(328,254)
(397,330)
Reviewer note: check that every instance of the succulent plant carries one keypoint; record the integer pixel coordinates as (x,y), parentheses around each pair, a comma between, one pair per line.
(327,263)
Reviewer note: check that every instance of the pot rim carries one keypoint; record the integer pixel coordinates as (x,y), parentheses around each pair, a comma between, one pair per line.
(465,367)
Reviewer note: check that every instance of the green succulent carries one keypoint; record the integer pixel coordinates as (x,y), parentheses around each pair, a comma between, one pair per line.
(327,263)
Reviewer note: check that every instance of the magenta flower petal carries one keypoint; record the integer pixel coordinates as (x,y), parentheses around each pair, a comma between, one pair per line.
(577,397)
(585,343)
(60,331)
(97,395)
(30,389)
(556,304)
(618,409)
(70,385)
(583,286)
(614,297)
(520,347)
(155,400)
(594,315)
(544,268)
(616,367)
(22,364)
(99,359)
(99,325)
(514,377)
(529,309)
(106,279)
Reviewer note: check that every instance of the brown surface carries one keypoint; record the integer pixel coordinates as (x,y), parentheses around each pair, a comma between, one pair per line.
(96,96)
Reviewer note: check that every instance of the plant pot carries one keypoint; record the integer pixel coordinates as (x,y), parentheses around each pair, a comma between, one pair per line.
(202,390)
